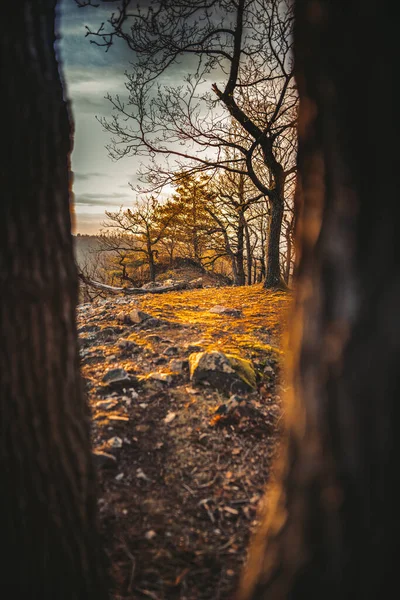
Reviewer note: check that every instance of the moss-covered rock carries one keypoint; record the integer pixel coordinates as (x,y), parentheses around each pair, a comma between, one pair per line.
(226,372)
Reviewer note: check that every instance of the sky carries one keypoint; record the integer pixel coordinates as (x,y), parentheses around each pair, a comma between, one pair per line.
(89,72)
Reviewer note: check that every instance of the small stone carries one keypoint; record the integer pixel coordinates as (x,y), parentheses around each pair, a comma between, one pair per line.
(149,535)
(115,376)
(196,283)
(160,360)
(119,476)
(138,316)
(140,474)
(170,417)
(109,332)
(171,351)
(153,337)
(153,322)
(142,428)
(88,328)
(196,346)
(225,310)
(143,405)
(128,345)
(115,442)
(163,377)
(178,365)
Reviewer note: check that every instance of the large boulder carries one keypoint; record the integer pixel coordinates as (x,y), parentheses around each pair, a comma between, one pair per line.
(225,372)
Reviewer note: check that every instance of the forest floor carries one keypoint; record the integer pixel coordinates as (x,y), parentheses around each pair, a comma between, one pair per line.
(182,465)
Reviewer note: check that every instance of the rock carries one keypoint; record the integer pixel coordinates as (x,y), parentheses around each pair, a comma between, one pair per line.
(160,360)
(108,332)
(170,417)
(87,341)
(225,372)
(88,328)
(138,316)
(103,459)
(123,317)
(120,476)
(154,337)
(163,377)
(116,376)
(140,474)
(115,442)
(178,366)
(129,346)
(142,428)
(88,383)
(154,322)
(229,406)
(149,535)
(90,357)
(225,310)
(171,351)
(197,346)
(196,283)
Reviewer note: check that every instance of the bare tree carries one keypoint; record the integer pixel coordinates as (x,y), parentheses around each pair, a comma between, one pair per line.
(232,196)
(135,231)
(245,46)
(48,500)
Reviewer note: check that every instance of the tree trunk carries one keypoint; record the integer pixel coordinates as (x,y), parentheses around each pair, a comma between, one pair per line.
(288,262)
(332,528)
(152,266)
(241,277)
(273,274)
(48,503)
(248,255)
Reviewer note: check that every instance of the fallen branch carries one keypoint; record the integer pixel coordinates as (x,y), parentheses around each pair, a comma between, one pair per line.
(133,291)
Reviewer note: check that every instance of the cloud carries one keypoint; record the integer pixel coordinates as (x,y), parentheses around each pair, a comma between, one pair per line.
(97,199)
(86,176)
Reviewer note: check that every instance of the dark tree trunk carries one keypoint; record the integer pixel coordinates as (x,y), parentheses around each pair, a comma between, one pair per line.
(249,255)
(332,525)
(234,268)
(241,277)
(273,273)
(48,504)
(288,263)
(152,266)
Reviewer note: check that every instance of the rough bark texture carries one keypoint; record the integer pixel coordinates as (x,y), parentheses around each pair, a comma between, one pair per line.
(273,274)
(48,505)
(331,523)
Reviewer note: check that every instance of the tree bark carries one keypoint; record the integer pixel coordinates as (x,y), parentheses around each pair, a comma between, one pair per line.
(241,277)
(249,256)
(152,266)
(273,272)
(48,516)
(331,526)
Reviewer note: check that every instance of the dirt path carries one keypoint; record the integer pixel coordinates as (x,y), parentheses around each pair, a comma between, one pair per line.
(181,467)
